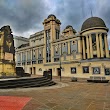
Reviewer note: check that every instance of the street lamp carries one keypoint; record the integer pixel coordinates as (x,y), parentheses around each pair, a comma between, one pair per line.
(60,68)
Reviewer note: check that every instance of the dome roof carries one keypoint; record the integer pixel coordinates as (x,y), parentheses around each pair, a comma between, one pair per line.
(51,15)
(69,26)
(93,22)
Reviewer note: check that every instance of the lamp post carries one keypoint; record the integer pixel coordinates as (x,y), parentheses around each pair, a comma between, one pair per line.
(60,69)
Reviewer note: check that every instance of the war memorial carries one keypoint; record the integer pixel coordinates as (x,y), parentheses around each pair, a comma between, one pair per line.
(7,52)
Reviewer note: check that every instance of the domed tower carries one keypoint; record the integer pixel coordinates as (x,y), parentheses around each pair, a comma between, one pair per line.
(94,38)
(51,33)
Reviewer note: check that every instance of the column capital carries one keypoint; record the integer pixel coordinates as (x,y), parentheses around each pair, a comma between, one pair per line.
(97,33)
(86,35)
(100,33)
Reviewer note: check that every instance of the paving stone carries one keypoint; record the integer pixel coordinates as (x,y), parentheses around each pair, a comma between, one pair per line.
(58,108)
(51,105)
(75,96)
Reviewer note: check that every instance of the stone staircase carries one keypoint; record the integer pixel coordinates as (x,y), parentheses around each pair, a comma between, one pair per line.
(25,82)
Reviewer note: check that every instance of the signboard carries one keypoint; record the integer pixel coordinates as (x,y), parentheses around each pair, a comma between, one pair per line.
(107,71)
(96,70)
(86,69)
(8,56)
(73,70)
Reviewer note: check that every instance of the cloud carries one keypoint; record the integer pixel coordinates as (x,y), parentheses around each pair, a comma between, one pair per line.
(75,12)
(26,16)
(23,15)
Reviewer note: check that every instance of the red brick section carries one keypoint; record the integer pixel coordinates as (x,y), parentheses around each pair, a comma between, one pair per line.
(13,103)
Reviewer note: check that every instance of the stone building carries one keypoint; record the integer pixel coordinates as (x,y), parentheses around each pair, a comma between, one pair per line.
(18,41)
(80,54)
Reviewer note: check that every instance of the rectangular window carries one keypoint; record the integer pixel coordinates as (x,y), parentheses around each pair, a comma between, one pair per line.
(85,69)
(64,56)
(33,62)
(56,59)
(57,34)
(73,70)
(107,71)
(40,61)
(29,62)
(96,70)
(28,55)
(48,49)
(33,54)
(19,57)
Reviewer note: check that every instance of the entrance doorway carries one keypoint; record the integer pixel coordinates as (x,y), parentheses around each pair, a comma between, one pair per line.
(50,70)
(31,70)
(34,69)
(58,72)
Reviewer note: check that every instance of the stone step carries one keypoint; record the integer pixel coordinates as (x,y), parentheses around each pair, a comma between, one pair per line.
(33,82)
(11,82)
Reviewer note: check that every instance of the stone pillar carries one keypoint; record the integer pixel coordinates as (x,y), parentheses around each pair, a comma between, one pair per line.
(97,45)
(79,46)
(83,43)
(91,49)
(26,57)
(69,52)
(87,42)
(31,61)
(101,47)
(52,37)
(106,46)
(21,58)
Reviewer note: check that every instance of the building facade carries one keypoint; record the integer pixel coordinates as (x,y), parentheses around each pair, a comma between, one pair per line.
(82,54)
(18,41)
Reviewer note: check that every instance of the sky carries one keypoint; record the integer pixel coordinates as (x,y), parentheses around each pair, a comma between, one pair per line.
(26,16)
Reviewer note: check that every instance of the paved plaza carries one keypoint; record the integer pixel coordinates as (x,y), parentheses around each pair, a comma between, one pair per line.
(66,95)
